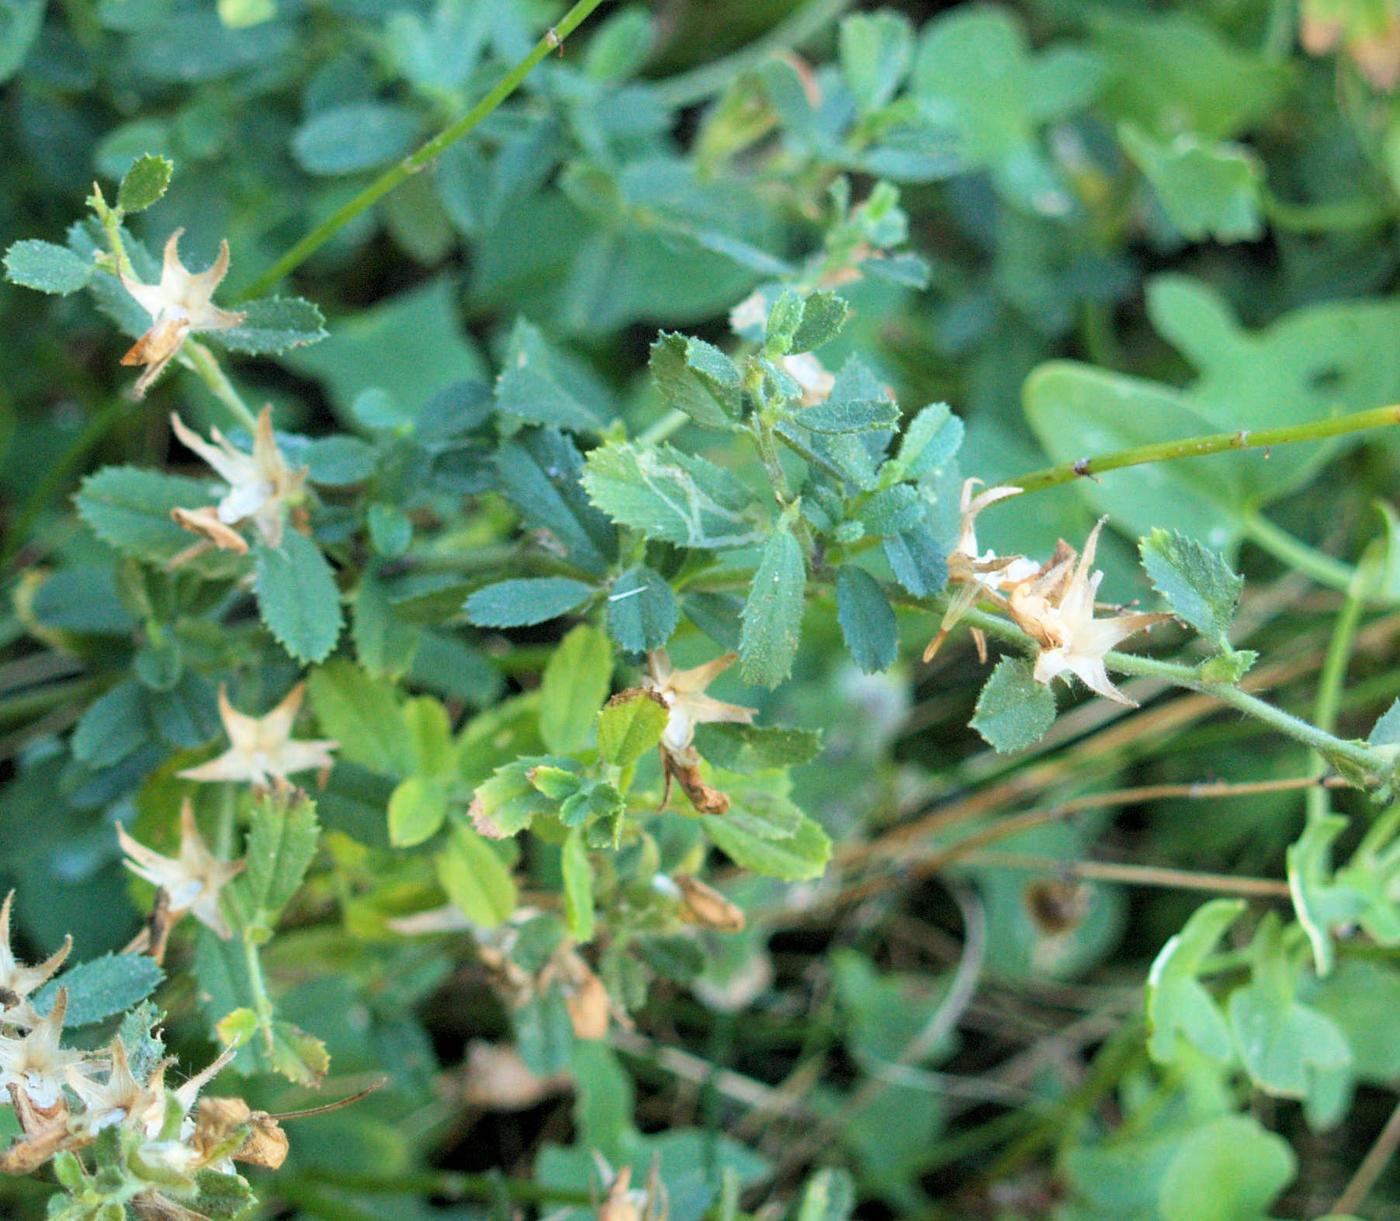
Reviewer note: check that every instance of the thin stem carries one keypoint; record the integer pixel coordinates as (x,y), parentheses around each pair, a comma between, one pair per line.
(553,39)
(455,1185)
(1134,875)
(1314,564)
(1332,217)
(1213,443)
(664,428)
(1371,1167)
(212,373)
(1328,701)
(1338,751)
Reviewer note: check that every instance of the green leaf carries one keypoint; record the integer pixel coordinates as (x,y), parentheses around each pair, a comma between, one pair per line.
(578,887)
(353,137)
(866,618)
(1227,1169)
(858,415)
(475,878)
(1283,1044)
(390,530)
(1013,711)
(823,316)
(362,714)
(101,987)
(1197,584)
(385,641)
(129,509)
(762,806)
(642,610)
(1180,1012)
(540,472)
(875,50)
(518,603)
(665,494)
(20,21)
(46,267)
(417,809)
(800,856)
(1077,411)
(784,318)
(112,726)
(1209,189)
(144,183)
(772,615)
(281,844)
(931,440)
(575,684)
(507,801)
(756,748)
(534,384)
(630,724)
(273,325)
(697,378)
(297,596)
(300,1057)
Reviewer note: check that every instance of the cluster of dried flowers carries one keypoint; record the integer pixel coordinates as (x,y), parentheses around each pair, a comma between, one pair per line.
(1053,602)
(67,1099)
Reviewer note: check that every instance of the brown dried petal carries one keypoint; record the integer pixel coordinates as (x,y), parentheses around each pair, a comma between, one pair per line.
(705,906)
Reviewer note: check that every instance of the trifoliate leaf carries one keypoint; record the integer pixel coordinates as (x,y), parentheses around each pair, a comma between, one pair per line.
(1230,1167)
(297,596)
(530,600)
(1014,710)
(46,267)
(875,51)
(535,388)
(1197,584)
(772,615)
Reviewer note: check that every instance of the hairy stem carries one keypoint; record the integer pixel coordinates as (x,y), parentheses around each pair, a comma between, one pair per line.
(414,162)
(1212,443)
(202,361)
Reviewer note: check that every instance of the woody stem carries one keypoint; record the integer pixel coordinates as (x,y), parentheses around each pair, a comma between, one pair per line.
(429,152)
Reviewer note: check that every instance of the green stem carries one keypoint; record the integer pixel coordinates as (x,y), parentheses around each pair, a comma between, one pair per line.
(1354,755)
(1338,216)
(687,88)
(434,148)
(212,373)
(663,429)
(1328,702)
(1213,443)
(1296,554)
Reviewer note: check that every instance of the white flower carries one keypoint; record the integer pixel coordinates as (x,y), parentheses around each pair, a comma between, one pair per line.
(36,1063)
(17,981)
(261,484)
(180,305)
(192,880)
(683,692)
(262,748)
(1056,607)
(121,1099)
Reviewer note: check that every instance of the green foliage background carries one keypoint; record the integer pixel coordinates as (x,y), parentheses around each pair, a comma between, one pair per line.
(1087,227)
